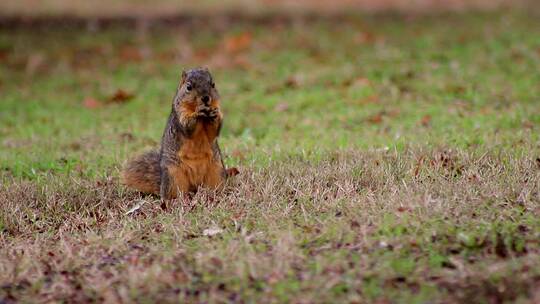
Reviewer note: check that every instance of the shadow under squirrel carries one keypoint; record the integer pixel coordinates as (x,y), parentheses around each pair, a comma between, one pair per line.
(189,156)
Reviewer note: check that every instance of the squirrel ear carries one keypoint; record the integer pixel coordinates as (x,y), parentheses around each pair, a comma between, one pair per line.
(184,76)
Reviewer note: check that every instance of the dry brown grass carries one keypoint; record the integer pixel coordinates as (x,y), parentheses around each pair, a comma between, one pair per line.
(438,225)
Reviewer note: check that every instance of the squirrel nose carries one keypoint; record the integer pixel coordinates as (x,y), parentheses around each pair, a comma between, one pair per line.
(206,98)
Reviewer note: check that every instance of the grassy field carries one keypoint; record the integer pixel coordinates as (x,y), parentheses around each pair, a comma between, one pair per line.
(383,159)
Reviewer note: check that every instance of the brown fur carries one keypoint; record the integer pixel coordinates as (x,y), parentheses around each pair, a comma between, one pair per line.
(198,166)
(187,110)
(189,157)
(142,173)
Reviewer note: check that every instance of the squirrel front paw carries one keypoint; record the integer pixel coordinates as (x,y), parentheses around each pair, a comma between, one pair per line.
(213,113)
(207,112)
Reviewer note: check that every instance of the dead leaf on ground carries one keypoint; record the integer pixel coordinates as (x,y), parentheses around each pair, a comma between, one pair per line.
(425,120)
(375,119)
(365,38)
(233,171)
(293,81)
(91,103)
(237,43)
(402,209)
(120,96)
(131,53)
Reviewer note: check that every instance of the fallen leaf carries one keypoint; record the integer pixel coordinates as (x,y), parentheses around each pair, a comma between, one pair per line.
(293,81)
(212,231)
(91,103)
(365,37)
(402,209)
(237,43)
(232,171)
(120,96)
(375,119)
(426,120)
(131,53)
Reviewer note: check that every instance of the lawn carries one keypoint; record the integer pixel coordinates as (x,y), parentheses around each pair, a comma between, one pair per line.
(383,158)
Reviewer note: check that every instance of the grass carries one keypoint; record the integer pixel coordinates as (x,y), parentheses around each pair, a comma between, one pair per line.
(383,159)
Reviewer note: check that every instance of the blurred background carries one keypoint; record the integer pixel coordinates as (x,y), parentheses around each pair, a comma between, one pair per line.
(86,80)
(170,7)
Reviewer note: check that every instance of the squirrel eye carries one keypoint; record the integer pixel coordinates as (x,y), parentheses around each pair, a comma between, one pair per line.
(189,87)
(213,85)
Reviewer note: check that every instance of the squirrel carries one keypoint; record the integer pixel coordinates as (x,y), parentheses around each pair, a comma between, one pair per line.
(189,156)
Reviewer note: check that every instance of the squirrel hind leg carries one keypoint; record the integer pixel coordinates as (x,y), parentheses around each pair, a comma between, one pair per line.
(142,173)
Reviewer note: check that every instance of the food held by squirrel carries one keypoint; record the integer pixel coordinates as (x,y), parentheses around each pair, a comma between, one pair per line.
(189,156)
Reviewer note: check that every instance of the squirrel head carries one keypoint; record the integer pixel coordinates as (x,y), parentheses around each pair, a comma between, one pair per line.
(196,89)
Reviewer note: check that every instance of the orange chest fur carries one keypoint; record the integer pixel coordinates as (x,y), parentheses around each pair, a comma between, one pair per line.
(199,145)
(198,166)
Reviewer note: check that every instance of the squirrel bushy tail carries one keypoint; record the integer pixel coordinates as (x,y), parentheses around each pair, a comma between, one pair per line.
(143,172)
